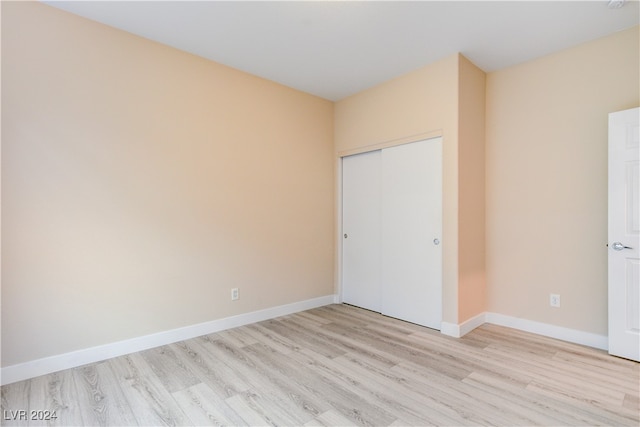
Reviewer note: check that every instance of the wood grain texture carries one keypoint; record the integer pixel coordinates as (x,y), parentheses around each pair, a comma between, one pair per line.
(341,365)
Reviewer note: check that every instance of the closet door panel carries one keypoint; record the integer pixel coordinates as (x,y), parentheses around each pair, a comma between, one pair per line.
(361,227)
(411,227)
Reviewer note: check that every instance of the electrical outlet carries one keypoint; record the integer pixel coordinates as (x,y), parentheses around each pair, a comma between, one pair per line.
(554,300)
(234,294)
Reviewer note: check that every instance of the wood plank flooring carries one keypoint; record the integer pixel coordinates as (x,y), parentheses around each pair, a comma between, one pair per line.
(341,365)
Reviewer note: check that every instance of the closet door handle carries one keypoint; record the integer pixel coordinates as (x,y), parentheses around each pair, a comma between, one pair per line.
(617,246)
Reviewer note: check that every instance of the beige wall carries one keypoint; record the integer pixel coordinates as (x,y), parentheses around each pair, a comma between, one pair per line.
(423,101)
(471,191)
(140,184)
(420,104)
(546,168)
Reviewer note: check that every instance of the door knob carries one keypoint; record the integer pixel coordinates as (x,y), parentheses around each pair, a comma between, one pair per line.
(436,241)
(345,235)
(617,246)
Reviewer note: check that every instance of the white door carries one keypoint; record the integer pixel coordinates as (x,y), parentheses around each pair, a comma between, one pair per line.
(361,230)
(411,232)
(391,224)
(624,234)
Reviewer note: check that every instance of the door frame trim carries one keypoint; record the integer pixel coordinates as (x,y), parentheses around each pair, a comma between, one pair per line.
(618,344)
(391,143)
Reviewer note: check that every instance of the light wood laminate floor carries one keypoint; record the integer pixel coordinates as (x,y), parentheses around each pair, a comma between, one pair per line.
(340,365)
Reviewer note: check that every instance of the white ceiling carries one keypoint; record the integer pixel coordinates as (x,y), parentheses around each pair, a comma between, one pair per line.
(334,49)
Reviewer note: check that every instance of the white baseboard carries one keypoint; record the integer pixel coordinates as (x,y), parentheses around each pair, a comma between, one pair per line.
(47,365)
(544,329)
(457,331)
(450,329)
(552,331)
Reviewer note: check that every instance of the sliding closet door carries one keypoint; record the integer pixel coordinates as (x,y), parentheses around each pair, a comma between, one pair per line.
(361,230)
(392,227)
(411,226)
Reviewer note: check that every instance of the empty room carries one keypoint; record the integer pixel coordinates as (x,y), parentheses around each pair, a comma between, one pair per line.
(320,213)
